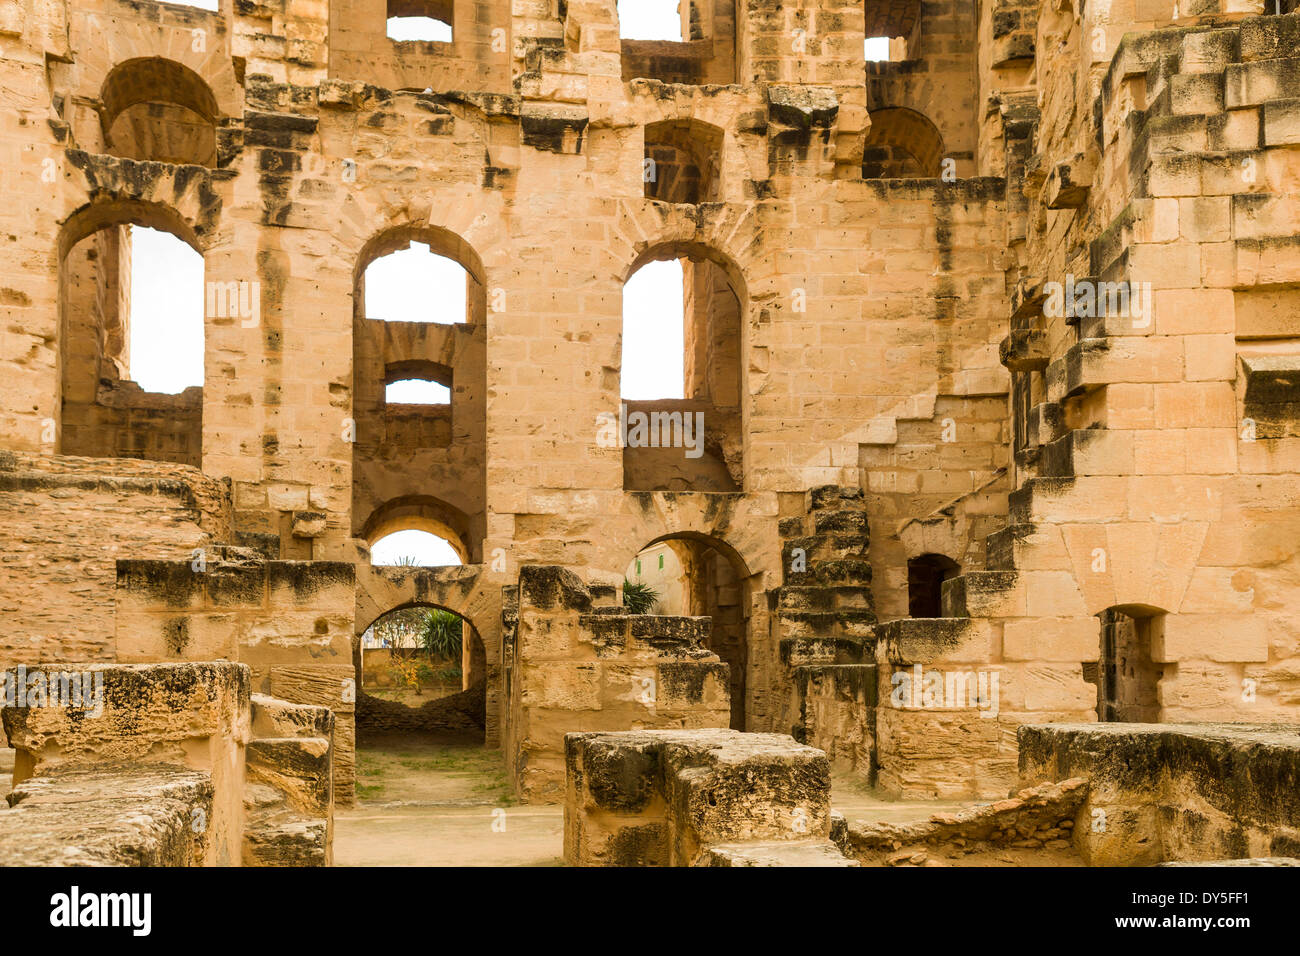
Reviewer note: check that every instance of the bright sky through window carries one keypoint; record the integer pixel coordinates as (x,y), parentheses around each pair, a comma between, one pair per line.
(418,28)
(649,20)
(415,391)
(653,333)
(166,323)
(876,48)
(427,550)
(414,285)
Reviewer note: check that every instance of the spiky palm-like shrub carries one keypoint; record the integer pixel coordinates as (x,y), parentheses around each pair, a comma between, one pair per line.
(638,598)
(441,634)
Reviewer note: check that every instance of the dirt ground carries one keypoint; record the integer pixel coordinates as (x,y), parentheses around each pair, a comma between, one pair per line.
(407,696)
(430,803)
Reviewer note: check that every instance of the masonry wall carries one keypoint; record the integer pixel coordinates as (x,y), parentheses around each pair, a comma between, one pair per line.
(891,334)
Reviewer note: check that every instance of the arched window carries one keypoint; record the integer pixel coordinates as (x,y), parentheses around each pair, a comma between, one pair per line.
(131,303)
(901,144)
(414,284)
(414,548)
(681,161)
(680,376)
(925,577)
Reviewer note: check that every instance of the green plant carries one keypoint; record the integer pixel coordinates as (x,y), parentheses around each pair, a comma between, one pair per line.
(411,672)
(448,675)
(441,633)
(638,597)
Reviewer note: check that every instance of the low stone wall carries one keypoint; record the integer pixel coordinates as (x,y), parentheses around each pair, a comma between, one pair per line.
(696,798)
(1169,792)
(1036,818)
(110,815)
(457,715)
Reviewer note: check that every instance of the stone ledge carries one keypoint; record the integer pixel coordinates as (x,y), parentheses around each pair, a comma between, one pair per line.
(108,815)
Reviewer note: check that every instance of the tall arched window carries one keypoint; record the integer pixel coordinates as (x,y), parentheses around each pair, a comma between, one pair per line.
(131,302)
(680,378)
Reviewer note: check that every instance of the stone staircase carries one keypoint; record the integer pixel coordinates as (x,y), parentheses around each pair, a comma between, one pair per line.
(826,620)
(288,786)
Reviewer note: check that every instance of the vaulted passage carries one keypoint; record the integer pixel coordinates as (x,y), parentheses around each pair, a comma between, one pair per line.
(697,576)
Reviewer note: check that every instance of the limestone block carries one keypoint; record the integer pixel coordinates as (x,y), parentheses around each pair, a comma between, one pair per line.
(110,815)
(665,797)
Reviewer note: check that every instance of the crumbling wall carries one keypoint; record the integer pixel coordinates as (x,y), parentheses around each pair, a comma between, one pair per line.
(577,663)
(141,718)
(1171,792)
(289,622)
(65,523)
(699,798)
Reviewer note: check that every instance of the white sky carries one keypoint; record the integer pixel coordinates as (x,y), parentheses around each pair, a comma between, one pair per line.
(653,332)
(428,549)
(166,324)
(876,48)
(418,28)
(649,20)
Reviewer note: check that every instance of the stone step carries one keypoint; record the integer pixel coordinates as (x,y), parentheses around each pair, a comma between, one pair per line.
(841,622)
(273,717)
(1001,546)
(814,651)
(930,640)
(823,598)
(286,839)
(977,593)
(299,767)
(840,522)
(831,496)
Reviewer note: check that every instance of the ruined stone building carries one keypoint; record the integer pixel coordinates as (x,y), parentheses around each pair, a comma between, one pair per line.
(995,344)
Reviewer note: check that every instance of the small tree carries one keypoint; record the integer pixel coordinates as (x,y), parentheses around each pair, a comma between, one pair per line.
(410,672)
(441,634)
(638,598)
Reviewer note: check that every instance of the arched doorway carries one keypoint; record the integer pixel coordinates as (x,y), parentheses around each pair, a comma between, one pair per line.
(696,575)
